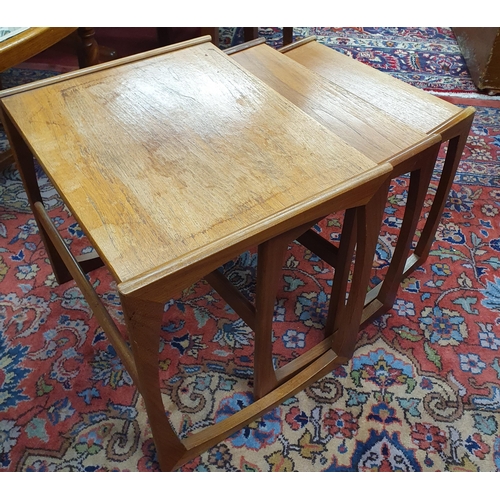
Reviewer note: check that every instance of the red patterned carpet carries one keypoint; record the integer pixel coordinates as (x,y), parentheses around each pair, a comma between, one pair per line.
(422,392)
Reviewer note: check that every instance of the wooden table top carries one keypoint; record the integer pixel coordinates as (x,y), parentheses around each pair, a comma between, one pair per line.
(376,133)
(29,43)
(167,160)
(424,111)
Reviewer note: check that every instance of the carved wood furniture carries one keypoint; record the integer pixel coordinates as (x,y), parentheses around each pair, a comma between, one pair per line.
(352,99)
(174,162)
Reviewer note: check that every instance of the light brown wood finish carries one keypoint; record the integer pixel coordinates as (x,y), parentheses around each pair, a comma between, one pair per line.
(377,134)
(365,126)
(32,41)
(457,131)
(188,128)
(29,43)
(161,117)
(144,318)
(409,104)
(24,161)
(105,320)
(21,47)
(347,317)
(424,112)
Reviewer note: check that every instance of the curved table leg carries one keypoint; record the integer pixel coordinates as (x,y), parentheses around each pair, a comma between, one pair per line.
(457,139)
(381,298)
(348,314)
(143,319)
(342,270)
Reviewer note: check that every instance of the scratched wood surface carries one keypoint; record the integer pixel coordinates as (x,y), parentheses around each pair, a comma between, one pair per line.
(411,105)
(363,125)
(174,157)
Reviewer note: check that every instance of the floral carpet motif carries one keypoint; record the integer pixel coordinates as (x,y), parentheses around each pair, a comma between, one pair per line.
(421,393)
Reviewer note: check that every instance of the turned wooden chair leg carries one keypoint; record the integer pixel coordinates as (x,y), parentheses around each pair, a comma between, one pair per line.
(89,51)
(143,319)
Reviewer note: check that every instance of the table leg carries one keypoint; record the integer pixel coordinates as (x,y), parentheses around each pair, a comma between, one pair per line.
(287,36)
(348,314)
(382,297)
(342,269)
(26,167)
(271,255)
(143,319)
(419,184)
(457,140)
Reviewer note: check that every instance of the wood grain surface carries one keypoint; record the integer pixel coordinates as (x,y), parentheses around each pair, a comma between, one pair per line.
(411,105)
(363,125)
(169,160)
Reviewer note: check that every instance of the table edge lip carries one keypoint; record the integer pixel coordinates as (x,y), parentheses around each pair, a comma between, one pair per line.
(4,94)
(137,283)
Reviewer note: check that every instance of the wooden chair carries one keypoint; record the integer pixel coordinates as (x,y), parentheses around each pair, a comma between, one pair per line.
(352,100)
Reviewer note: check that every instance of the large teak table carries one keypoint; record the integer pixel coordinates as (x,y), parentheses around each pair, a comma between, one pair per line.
(174,162)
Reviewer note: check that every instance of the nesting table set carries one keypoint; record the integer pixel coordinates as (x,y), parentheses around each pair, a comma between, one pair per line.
(177,160)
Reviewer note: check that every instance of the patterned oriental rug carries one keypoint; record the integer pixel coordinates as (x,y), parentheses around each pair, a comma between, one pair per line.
(422,392)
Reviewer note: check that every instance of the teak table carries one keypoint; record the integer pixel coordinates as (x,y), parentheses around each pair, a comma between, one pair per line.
(174,162)
(383,118)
